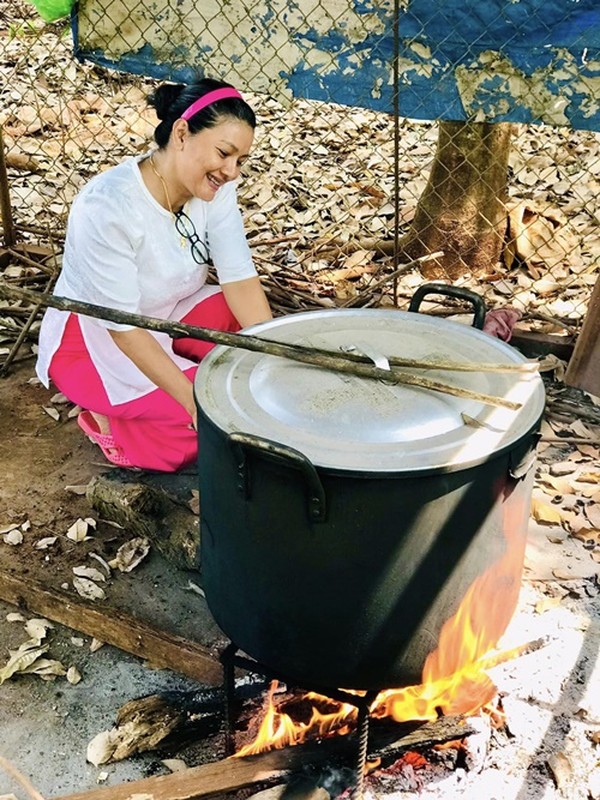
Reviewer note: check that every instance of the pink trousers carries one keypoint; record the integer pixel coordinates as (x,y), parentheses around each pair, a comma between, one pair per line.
(153,431)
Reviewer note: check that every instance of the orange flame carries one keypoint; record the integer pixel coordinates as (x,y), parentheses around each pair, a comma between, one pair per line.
(279,730)
(454,677)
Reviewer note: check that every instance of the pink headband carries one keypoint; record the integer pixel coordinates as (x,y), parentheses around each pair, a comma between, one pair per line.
(208,99)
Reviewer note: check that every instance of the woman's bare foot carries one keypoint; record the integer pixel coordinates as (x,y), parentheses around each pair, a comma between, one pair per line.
(102,422)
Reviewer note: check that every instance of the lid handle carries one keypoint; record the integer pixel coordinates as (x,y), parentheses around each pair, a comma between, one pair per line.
(281,453)
(458,292)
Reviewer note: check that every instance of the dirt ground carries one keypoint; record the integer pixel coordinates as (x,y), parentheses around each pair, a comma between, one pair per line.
(549,750)
(45,726)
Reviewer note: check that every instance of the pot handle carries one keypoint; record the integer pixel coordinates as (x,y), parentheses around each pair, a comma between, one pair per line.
(275,451)
(475,299)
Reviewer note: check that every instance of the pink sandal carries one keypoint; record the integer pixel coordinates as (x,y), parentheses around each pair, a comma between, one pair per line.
(112,451)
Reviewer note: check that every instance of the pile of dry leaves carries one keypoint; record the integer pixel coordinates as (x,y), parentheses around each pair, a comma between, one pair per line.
(318,195)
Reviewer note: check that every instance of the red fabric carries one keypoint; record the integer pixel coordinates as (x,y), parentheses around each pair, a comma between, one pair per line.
(153,431)
(500,322)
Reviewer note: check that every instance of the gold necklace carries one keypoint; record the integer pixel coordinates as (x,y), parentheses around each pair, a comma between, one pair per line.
(182,240)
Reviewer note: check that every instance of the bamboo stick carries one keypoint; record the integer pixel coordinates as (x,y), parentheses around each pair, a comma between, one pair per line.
(25,783)
(342,362)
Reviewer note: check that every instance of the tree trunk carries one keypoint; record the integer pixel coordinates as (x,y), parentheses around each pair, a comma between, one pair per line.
(462,208)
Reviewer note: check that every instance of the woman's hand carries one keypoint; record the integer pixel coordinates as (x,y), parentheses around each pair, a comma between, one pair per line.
(149,357)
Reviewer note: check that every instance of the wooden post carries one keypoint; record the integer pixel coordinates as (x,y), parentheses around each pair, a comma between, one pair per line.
(584,367)
(10,236)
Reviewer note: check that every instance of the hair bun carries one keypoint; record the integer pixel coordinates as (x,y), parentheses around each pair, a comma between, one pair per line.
(164,97)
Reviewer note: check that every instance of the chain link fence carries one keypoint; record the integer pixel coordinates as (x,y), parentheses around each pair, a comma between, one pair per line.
(336,196)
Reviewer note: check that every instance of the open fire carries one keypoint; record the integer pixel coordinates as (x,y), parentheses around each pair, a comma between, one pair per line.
(455,680)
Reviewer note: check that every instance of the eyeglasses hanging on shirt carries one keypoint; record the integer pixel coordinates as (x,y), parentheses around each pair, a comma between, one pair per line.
(198,248)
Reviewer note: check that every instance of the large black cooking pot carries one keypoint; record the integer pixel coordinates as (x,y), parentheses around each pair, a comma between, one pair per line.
(343,519)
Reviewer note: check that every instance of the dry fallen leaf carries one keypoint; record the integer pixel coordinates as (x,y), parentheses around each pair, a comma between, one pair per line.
(7,528)
(587,535)
(579,429)
(88,589)
(562,468)
(14,537)
(14,616)
(96,644)
(45,543)
(78,531)
(552,363)
(193,587)
(588,490)
(102,562)
(547,603)
(89,572)
(59,399)
(592,512)
(73,676)
(589,477)
(561,486)
(562,769)
(52,412)
(45,668)
(101,748)
(563,574)
(130,554)
(38,627)
(589,450)
(79,489)
(545,513)
(23,659)
(175,764)
(194,503)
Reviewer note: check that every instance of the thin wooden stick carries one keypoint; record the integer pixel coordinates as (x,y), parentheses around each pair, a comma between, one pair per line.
(502,657)
(22,226)
(305,355)
(20,779)
(25,329)
(406,267)
(415,363)
(570,440)
(49,270)
(8,225)
(255,242)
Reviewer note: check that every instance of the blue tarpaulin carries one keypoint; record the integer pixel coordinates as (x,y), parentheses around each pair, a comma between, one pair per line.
(483,60)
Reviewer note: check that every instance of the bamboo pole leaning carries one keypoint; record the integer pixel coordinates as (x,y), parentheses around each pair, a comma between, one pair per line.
(352,363)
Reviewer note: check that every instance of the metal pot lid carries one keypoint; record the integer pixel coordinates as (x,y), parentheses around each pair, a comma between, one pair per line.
(347,423)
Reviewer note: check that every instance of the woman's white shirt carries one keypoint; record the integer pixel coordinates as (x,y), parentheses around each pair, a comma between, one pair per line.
(123,251)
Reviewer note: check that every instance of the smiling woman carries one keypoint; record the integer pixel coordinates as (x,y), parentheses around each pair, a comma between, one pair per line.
(140,238)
